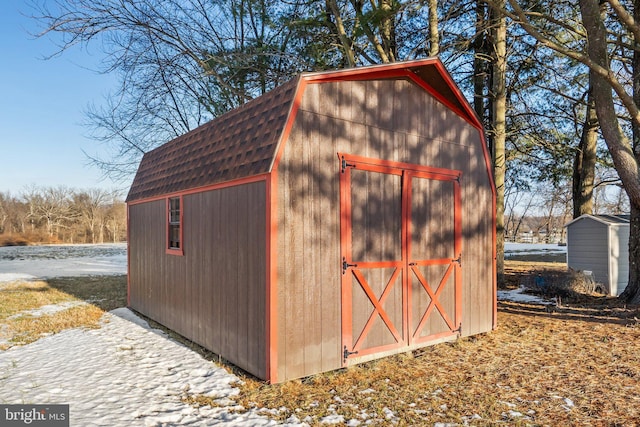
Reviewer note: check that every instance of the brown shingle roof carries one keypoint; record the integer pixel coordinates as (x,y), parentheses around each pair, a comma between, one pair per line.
(238,144)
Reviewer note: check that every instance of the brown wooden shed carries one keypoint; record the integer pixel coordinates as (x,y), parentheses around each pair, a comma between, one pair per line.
(342,217)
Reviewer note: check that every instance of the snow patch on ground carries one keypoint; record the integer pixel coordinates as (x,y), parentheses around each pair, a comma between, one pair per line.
(332,419)
(123,374)
(49,309)
(533,248)
(519,295)
(12,277)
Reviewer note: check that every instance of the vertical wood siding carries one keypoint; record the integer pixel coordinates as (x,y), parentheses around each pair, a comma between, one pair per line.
(620,258)
(588,248)
(215,293)
(386,119)
(602,249)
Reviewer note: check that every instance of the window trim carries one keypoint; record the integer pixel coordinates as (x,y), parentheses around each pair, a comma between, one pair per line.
(175,250)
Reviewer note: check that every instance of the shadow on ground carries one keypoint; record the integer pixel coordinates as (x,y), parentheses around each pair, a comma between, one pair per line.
(105,292)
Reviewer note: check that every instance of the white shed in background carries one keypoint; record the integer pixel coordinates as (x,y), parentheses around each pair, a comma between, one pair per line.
(600,244)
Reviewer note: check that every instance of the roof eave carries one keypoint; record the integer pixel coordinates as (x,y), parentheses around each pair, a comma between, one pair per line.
(597,219)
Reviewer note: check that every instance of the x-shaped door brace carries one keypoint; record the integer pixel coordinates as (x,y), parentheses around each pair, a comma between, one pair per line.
(434,299)
(377,306)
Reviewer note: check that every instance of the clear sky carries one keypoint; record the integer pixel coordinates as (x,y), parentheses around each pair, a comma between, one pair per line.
(42,105)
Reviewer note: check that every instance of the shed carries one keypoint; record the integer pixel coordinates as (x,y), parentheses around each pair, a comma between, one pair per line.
(341,217)
(600,244)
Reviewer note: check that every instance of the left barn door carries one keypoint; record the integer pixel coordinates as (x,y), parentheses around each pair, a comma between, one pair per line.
(373,268)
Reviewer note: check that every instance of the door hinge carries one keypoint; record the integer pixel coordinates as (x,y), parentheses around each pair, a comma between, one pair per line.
(458,260)
(346,165)
(346,265)
(346,353)
(459,330)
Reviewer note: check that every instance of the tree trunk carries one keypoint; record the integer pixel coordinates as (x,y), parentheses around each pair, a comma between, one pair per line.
(479,63)
(388,30)
(632,291)
(379,31)
(347,48)
(498,124)
(434,35)
(624,157)
(584,165)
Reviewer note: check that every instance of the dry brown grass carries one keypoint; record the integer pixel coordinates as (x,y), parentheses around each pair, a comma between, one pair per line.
(25,330)
(576,366)
(18,326)
(573,367)
(516,271)
(25,239)
(13,240)
(26,295)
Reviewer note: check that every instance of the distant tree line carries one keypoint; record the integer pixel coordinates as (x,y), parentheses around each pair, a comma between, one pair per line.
(543,210)
(62,215)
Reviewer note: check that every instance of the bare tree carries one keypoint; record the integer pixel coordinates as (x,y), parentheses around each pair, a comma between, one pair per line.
(610,199)
(12,214)
(180,62)
(4,215)
(551,210)
(51,206)
(519,204)
(556,207)
(51,214)
(92,206)
(115,220)
(17,215)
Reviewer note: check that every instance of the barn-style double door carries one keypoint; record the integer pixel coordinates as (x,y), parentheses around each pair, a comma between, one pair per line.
(401,255)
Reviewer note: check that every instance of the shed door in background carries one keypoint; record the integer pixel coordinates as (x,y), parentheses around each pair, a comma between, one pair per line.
(400,246)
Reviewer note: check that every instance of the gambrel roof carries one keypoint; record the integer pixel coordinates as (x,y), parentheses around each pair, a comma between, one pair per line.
(237,144)
(245,142)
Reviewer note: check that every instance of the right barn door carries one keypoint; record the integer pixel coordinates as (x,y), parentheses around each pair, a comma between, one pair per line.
(434,256)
